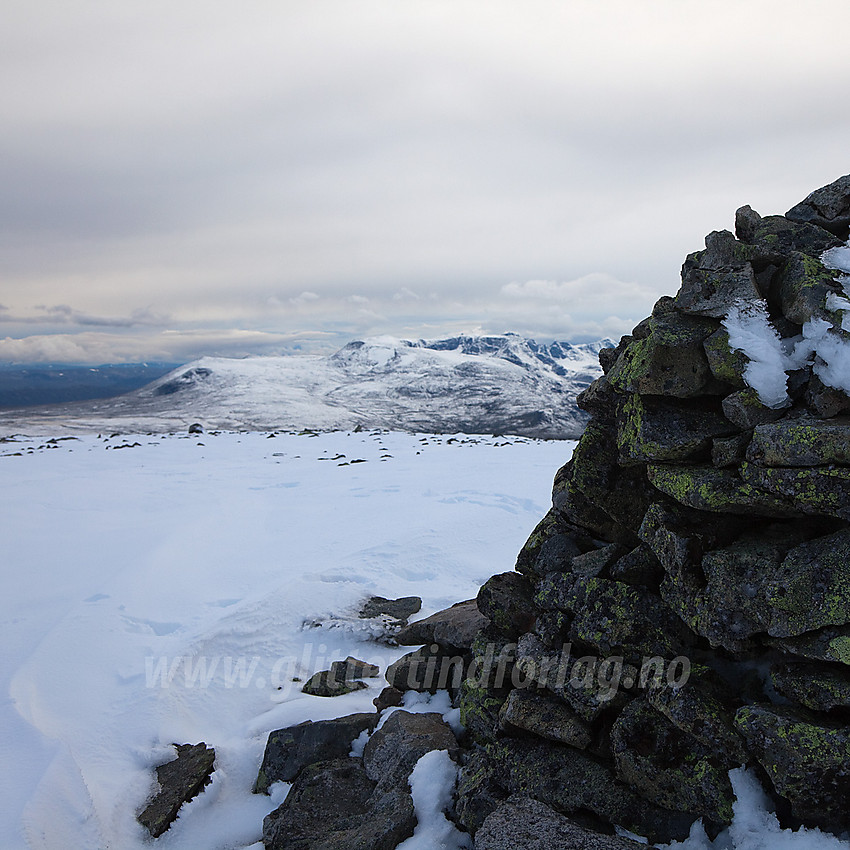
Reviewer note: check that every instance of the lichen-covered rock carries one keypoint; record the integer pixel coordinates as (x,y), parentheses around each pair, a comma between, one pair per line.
(827,207)
(290,750)
(617,619)
(804,286)
(829,644)
(717,277)
(736,603)
(639,567)
(811,588)
(806,760)
(774,237)
(478,792)
(428,670)
(745,410)
(589,685)
(825,401)
(670,361)
(729,451)
(598,494)
(801,442)
(819,687)
(543,716)
(818,490)
(568,781)
(725,364)
(650,431)
(701,707)
(506,601)
(522,823)
(707,488)
(669,767)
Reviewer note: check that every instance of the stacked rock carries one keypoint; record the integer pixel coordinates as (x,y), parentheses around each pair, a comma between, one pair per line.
(684,607)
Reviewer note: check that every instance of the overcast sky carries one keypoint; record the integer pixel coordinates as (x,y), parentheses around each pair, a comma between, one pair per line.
(187,178)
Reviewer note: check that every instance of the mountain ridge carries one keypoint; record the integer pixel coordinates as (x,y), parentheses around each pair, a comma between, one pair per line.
(499,383)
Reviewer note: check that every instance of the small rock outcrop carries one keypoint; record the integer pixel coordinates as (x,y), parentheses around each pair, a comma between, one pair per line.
(342,678)
(339,801)
(180,780)
(684,607)
(290,750)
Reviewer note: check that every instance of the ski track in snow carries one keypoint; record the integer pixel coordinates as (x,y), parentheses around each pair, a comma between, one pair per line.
(205,556)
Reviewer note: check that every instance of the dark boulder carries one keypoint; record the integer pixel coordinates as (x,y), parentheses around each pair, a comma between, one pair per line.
(506,601)
(180,780)
(454,628)
(290,750)
(398,609)
(333,805)
(522,823)
(392,751)
(827,207)
(805,759)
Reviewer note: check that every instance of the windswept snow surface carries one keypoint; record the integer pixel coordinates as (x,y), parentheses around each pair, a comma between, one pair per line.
(200,559)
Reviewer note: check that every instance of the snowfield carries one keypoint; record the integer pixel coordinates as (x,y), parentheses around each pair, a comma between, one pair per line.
(157,593)
(168,589)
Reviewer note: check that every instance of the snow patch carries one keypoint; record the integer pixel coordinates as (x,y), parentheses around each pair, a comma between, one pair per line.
(432,784)
(751,332)
(755,826)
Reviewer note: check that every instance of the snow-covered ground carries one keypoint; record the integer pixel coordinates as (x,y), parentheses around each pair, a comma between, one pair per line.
(168,589)
(205,556)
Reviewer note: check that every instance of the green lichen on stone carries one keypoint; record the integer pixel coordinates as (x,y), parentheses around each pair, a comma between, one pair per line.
(726,365)
(821,490)
(479,709)
(805,760)
(669,361)
(817,687)
(811,589)
(804,286)
(652,430)
(716,490)
(839,647)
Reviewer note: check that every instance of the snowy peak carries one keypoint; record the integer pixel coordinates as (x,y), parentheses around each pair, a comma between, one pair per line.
(483,385)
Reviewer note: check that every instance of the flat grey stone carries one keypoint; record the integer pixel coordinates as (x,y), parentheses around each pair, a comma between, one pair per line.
(521,823)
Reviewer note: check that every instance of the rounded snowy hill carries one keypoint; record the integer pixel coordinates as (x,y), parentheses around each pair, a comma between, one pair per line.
(501,384)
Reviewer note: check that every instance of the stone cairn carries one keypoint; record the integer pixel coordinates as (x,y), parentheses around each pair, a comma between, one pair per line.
(690,587)
(682,610)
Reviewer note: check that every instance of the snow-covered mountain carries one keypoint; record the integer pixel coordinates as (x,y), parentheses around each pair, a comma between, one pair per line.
(501,384)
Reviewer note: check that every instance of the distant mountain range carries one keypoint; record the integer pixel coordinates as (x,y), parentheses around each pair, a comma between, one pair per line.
(501,384)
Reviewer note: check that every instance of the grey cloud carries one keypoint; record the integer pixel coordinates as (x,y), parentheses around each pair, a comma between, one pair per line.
(63,314)
(215,164)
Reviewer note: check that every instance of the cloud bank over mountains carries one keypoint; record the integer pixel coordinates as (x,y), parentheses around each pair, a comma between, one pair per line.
(206,178)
